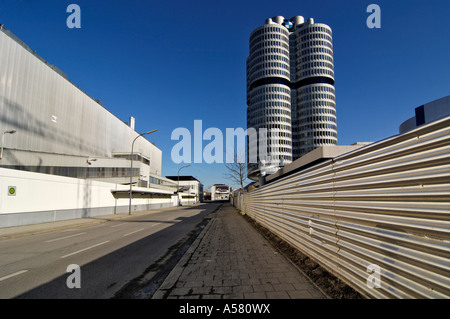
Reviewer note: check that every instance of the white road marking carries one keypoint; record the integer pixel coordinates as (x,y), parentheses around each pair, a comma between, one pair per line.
(56,239)
(118,225)
(13,275)
(133,232)
(68,230)
(81,250)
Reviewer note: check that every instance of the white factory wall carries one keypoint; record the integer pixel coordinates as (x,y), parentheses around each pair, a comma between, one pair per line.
(43,198)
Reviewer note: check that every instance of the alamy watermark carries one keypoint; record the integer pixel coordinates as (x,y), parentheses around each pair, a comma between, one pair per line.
(374,279)
(263,145)
(374,19)
(74,279)
(74,19)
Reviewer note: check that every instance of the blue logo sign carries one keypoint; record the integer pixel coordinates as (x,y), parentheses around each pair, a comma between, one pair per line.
(289,25)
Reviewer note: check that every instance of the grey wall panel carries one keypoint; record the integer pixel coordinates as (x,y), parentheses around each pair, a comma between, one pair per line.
(52,115)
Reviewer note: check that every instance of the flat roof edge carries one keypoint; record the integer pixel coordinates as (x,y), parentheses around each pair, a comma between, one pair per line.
(319,154)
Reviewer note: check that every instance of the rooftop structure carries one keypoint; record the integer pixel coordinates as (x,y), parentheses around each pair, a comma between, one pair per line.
(427,113)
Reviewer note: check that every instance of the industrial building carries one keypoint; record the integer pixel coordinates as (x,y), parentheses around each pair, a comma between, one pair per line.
(61,130)
(55,135)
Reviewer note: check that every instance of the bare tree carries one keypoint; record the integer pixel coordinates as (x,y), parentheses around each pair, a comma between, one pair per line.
(237,171)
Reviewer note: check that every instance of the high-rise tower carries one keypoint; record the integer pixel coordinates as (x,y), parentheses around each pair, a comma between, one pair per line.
(290,90)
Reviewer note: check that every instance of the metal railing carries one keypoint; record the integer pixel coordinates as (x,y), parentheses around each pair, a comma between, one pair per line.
(385,206)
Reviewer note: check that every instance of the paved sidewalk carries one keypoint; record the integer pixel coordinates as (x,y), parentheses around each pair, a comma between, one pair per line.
(231,260)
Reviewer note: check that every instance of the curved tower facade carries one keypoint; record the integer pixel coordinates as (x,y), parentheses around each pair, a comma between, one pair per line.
(314,119)
(269,95)
(290,91)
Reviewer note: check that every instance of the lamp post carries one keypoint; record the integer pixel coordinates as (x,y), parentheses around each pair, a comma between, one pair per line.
(3,140)
(178,182)
(90,160)
(131,168)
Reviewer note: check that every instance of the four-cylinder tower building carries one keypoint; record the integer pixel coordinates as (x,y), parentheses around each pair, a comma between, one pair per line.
(290,91)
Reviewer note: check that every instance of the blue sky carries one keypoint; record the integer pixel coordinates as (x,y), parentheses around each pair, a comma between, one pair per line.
(168,63)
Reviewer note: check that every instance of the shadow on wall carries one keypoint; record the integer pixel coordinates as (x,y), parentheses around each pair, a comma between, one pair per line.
(16,116)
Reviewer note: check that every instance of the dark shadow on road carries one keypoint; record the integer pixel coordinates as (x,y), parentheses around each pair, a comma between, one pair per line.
(117,275)
(146,221)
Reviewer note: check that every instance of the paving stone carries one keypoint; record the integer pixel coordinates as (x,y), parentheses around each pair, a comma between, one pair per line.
(255,295)
(250,281)
(277,295)
(262,287)
(283,287)
(222,290)
(201,290)
(300,294)
(269,281)
(242,288)
(192,284)
(238,295)
(180,291)
(211,297)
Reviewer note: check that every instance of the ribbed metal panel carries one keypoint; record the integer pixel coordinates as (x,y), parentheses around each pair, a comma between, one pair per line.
(386,204)
(53,116)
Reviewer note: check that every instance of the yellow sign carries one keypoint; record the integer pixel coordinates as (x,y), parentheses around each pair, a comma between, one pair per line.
(12,190)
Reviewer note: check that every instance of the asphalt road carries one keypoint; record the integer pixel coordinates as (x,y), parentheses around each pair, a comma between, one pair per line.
(110,255)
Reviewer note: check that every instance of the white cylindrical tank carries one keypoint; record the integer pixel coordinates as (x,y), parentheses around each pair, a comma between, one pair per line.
(298,20)
(278,19)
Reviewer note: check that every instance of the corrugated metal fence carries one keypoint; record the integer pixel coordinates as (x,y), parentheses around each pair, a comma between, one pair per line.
(382,207)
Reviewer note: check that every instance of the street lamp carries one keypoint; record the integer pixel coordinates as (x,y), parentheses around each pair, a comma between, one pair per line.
(3,140)
(90,160)
(178,182)
(131,170)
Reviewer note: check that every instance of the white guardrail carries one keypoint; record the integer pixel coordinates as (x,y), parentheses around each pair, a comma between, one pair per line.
(377,217)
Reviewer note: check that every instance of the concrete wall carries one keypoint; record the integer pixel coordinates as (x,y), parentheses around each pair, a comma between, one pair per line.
(43,198)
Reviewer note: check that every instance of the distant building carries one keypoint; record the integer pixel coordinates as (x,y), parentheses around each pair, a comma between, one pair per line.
(427,113)
(190,189)
(220,192)
(206,195)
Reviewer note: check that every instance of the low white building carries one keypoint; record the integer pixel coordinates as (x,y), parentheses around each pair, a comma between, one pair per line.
(190,189)
(220,192)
